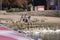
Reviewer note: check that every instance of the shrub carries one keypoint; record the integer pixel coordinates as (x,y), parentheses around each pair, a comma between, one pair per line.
(15,10)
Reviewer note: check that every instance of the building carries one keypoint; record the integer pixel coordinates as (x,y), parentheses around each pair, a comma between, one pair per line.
(53,4)
(49,4)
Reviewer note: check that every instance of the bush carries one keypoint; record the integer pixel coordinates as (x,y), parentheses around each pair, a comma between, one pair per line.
(5,8)
(15,10)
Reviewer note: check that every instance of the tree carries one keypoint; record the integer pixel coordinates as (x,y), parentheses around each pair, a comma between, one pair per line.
(0,4)
(4,4)
(21,2)
(10,3)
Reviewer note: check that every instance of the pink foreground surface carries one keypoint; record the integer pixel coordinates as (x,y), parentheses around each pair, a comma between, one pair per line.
(6,38)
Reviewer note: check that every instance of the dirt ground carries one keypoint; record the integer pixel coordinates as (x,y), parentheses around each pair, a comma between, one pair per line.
(47,19)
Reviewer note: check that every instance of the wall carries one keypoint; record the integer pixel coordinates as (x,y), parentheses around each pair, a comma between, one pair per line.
(55,13)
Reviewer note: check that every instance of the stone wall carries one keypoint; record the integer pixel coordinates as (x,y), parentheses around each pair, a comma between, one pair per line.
(53,13)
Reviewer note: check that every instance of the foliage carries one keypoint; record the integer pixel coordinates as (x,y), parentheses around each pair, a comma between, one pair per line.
(30,5)
(4,1)
(15,10)
(11,1)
